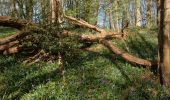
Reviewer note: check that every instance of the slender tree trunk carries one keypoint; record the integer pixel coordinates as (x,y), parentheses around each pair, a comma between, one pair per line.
(57,16)
(149,13)
(117,17)
(164,42)
(158,12)
(21,13)
(111,21)
(97,12)
(57,11)
(29,10)
(138,15)
(14,10)
(127,12)
(87,8)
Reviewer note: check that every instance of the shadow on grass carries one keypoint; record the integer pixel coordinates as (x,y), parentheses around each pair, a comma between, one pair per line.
(18,84)
(90,83)
(15,81)
(7,62)
(144,48)
(29,84)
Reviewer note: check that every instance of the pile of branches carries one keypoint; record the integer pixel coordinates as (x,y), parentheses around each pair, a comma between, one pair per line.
(13,45)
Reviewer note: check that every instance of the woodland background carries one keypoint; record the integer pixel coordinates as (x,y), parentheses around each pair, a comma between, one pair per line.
(84,49)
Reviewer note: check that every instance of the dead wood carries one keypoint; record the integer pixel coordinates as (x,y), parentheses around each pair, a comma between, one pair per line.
(90,37)
(102,32)
(12,50)
(13,37)
(8,21)
(99,38)
(8,45)
(82,23)
(34,57)
(126,56)
(40,56)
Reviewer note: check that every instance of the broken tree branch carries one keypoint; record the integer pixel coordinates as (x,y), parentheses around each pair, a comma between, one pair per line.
(82,23)
(13,37)
(100,38)
(12,50)
(109,45)
(126,56)
(8,45)
(8,21)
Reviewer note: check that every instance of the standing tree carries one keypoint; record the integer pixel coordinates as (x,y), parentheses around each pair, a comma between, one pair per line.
(164,42)
(14,9)
(29,9)
(57,10)
(149,13)
(138,15)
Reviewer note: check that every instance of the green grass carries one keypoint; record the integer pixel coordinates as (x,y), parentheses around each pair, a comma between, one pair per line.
(5,31)
(90,76)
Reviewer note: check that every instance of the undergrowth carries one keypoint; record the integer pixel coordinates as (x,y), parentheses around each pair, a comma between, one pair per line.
(91,75)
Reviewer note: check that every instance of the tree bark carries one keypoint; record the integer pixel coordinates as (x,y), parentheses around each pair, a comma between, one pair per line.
(10,22)
(29,10)
(14,9)
(164,42)
(138,15)
(8,45)
(13,37)
(149,13)
(158,13)
(57,11)
(126,56)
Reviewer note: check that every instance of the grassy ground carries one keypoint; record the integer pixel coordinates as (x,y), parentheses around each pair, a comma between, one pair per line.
(5,31)
(90,76)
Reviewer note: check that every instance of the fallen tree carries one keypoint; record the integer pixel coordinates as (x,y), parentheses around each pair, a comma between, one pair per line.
(8,45)
(100,37)
(14,37)
(8,21)
(126,56)
(114,49)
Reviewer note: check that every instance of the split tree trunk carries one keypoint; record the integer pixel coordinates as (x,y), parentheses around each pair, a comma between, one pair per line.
(57,11)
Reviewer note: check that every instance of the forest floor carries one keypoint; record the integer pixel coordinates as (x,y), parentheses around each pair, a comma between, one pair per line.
(93,75)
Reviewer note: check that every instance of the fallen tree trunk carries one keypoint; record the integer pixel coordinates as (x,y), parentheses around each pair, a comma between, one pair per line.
(103,40)
(13,37)
(82,23)
(8,21)
(90,37)
(12,50)
(8,45)
(100,38)
(85,24)
(126,56)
